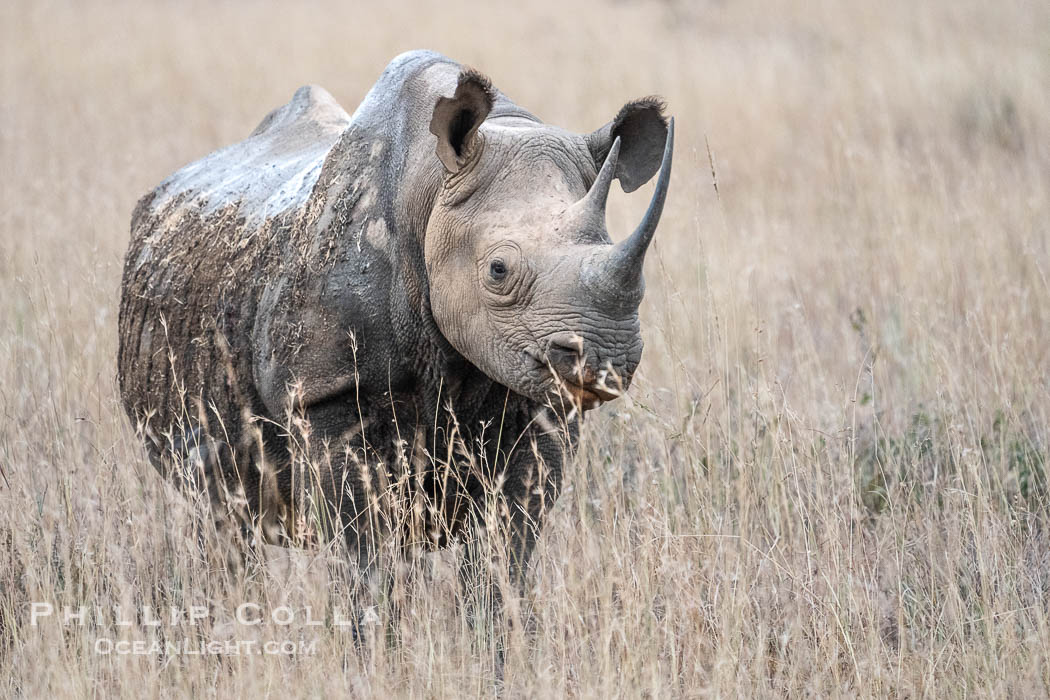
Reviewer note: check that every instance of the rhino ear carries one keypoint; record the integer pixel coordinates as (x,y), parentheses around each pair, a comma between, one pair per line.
(642,129)
(456,119)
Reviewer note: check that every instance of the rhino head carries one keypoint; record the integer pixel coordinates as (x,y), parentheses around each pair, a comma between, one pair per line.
(525,281)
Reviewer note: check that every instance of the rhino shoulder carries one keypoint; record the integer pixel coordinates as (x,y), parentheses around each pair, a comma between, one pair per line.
(271,172)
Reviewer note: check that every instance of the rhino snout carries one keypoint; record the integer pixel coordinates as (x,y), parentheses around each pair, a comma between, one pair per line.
(584,371)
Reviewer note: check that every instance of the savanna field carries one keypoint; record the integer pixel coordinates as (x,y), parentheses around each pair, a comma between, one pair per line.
(830,477)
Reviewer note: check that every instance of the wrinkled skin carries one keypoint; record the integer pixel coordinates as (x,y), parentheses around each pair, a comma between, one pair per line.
(375,324)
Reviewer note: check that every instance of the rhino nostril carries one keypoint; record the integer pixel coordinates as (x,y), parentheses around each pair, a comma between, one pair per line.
(565,344)
(536,358)
(563,352)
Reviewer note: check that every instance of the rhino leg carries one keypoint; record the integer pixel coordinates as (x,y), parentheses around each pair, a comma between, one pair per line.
(196,450)
(479,572)
(243,516)
(533,482)
(335,487)
(519,513)
(196,462)
(486,607)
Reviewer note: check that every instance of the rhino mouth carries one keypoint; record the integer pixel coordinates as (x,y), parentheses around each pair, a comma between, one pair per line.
(586,389)
(587,397)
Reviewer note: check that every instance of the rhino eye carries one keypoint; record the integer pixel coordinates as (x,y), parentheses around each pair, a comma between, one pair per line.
(497,270)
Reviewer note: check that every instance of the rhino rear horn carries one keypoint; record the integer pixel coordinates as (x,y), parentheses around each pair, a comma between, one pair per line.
(589,212)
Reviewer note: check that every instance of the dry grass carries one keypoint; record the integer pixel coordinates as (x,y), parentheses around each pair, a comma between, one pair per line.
(832,477)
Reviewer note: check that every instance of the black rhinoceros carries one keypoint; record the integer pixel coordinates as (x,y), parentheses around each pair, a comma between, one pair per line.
(376,323)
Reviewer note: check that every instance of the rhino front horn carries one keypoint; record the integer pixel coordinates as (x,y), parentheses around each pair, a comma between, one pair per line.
(622,267)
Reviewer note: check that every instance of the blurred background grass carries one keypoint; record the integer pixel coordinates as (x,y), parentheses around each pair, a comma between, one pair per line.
(831,477)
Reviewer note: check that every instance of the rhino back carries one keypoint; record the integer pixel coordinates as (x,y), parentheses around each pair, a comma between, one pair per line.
(289,266)
(202,243)
(268,267)
(266,175)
